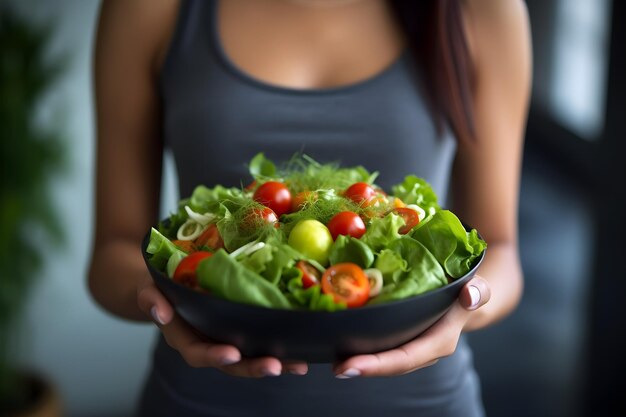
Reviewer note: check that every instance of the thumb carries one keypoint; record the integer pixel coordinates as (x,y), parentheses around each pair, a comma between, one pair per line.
(475,293)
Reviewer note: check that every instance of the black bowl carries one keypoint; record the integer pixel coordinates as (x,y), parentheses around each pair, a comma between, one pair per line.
(312,336)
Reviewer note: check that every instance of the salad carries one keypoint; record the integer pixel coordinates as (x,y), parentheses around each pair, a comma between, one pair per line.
(313,236)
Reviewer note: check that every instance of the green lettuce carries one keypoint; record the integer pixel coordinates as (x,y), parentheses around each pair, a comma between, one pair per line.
(349,249)
(423,272)
(391,265)
(161,249)
(382,231)
(229,279)
(415,190)
(446,238)
(311,298)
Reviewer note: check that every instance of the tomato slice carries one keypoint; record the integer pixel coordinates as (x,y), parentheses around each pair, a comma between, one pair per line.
(210,237)
(310,274)
(347,283)
(185,272)
(411,219)
(346,223)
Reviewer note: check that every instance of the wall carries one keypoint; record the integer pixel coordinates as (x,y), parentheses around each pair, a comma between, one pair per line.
(97,361)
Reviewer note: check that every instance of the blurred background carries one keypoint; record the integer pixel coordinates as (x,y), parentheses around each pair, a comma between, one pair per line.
(561,354)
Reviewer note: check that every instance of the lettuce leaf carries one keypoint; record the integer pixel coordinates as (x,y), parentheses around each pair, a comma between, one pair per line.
(423,272)
(349,249)
(312,298)
(260,167)
(415,190)
(391,265)
(161,249)
(446,238)
(229,279)
(382,231)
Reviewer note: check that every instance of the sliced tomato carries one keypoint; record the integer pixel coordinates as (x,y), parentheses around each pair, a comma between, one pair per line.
(411,219)
(310,275)
(346,223)
(210,237)
(185,272)
(347,283)
(186,246)
(275,195)
(360,192)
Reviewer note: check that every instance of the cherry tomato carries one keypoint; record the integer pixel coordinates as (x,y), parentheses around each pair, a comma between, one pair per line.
(210,237)
(185,272)
(186,246)
(360,192)
(411,219)
(260,216)
(310,274)
(300,199)
(347,283)
(346,223)
(274,195)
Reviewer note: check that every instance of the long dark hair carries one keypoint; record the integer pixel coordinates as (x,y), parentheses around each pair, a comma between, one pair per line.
(435,32)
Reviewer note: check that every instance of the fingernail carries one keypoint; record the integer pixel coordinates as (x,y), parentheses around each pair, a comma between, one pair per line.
(297,372)
(155,315)
(228,360)
(269,372)
(349,373)
(474,296)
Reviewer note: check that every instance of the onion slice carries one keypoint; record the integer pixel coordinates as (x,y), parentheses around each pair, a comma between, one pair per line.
(375,278)
(190,230)
(202,219)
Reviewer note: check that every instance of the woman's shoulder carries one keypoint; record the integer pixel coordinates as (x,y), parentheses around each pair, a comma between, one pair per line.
(138,29)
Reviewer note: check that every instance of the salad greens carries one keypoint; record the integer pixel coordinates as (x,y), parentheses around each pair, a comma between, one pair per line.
(247,255)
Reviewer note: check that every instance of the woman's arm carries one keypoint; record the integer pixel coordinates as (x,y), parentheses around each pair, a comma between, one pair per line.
(129,149)
(485,185)
(131,39)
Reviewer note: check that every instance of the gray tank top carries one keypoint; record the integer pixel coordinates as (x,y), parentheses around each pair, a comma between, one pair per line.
(215,118)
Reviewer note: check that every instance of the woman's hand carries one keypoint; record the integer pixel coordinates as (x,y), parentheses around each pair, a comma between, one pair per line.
(199,352)
(439,341)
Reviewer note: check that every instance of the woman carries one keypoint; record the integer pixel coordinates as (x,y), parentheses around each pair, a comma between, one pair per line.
(435,88)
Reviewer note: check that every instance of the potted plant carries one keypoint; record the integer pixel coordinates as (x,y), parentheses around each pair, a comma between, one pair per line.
(29,155)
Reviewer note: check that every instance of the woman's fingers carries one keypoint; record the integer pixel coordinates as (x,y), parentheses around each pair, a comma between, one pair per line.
(196,352)
(475,294)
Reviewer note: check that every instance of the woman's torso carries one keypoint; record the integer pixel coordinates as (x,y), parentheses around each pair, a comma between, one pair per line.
(216,116)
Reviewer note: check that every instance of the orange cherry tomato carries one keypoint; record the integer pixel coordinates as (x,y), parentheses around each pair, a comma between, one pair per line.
(310,274)
(210,237)
(186,246)
(411,219)
(347,283)
(300,199)
(185,272)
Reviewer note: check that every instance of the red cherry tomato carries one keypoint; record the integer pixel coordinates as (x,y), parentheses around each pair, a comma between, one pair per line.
(185,272)
(274,195)
(210,237)
(360,192)
(346,223)
(310,274)
(411,219)
(347,283)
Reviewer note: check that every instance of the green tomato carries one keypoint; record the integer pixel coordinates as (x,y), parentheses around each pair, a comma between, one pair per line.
(312,239)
